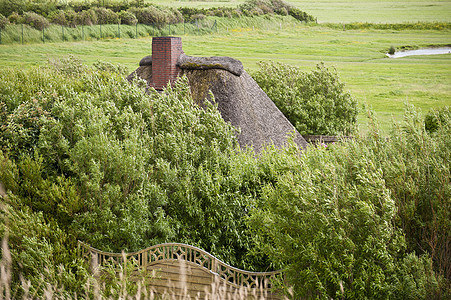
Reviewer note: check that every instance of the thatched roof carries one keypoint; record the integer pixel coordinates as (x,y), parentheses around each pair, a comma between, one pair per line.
(239,98)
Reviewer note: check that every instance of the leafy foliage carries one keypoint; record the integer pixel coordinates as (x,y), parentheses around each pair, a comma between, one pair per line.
(336,222)
(87,155)
(74,13)
(416,168)
(3,21)
(143,169)
(41,254)
(315,103)
(437,118)
(36,21)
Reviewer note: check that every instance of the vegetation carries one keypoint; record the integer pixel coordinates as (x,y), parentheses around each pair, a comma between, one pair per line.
(92,13)
(86,155)
(358,55)
(315,103)
(436,118)
(353,220)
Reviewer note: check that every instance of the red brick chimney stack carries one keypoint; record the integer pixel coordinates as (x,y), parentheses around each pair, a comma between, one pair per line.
(165,52)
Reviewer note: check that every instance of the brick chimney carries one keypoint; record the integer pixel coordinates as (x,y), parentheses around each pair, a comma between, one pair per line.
(165,52)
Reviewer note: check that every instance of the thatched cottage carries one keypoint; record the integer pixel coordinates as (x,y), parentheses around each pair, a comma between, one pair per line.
(239,98)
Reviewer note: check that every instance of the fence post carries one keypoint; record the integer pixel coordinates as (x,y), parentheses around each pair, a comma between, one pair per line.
(136,35)
(184,22)
(43,35)
(83,32)
(118,30)
(62,29)
(100,31)
(22,34)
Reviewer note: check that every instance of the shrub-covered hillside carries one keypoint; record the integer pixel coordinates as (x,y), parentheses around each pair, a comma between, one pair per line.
(87,155)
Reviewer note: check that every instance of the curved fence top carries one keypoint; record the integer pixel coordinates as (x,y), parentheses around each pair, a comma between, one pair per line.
(187,253)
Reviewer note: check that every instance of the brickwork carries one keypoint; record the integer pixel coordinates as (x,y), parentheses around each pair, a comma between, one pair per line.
(165,52)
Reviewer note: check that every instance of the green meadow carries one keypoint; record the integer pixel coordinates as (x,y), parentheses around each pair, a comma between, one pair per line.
(336,11)
(376,81)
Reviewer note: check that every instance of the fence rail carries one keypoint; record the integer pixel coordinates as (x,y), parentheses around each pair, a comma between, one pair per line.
(190,255)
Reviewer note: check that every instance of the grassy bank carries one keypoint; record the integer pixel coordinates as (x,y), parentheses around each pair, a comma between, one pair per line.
(359,56)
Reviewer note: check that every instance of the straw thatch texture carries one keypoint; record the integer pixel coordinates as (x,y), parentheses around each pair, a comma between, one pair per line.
(239,98)
(244,104)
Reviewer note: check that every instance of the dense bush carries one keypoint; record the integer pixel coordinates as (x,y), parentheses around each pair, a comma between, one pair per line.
(315,103)
(3,21)
(147,169)
(127,18)
(259,7)
(91,13)
(87,155)
(157,15)
(149,15)
(437,118)
(15,18)
(300,15)
(86,17)
(106,16)
(417,170)
(58,17)
(336,222)
(7,7)
(36,21)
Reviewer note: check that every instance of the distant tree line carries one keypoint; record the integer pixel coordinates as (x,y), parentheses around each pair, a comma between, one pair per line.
(40,14)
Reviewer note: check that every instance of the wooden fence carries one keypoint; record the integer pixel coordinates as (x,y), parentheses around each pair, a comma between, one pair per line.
(183,270)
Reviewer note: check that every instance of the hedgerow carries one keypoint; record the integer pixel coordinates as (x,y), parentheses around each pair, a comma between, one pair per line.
(91,13)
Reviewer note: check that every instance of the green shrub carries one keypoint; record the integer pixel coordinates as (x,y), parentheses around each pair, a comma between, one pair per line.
(437,118)
(3,21)
(86,17)
(106,16)
(157,15)
(127,18)
(58,17)
(148,15)
(36,21)
(40,254)
(315,103)
(336,222)
(300,15)
(63,17)
(15,18)
(7,7)
(391,50)
(133,158)
(416,168)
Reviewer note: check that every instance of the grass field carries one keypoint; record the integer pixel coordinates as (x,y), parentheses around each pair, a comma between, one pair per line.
(358,55)
(346,11)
